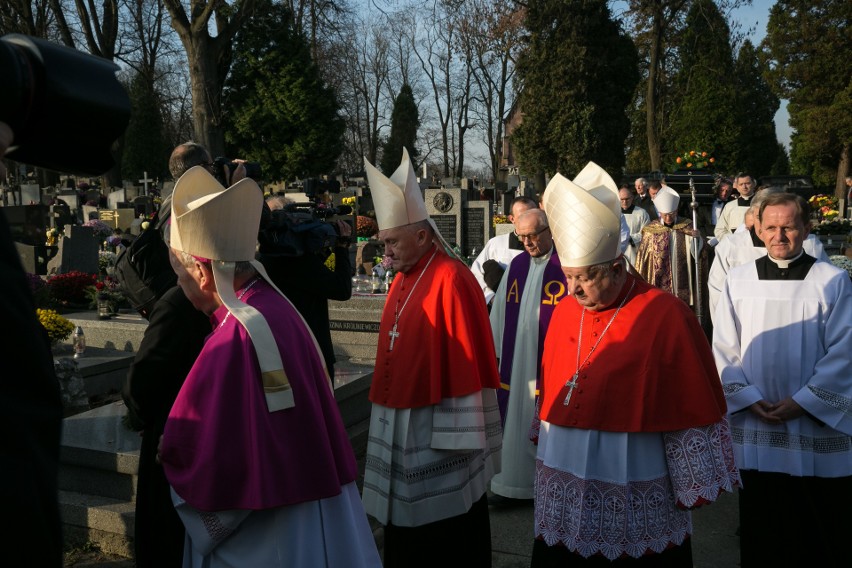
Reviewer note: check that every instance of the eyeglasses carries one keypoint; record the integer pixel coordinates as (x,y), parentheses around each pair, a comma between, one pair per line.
(533,237)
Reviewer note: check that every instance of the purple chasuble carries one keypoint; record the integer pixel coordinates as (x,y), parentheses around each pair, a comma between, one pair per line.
(552,291)
(222,449)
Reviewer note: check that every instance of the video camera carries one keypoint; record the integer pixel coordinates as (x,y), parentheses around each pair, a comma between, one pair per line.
(299,228)
(51,92)
(252,170)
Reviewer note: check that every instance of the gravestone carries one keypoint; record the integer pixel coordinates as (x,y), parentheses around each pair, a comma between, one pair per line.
(143,205)
(71,198)
(90,212)
(30,194)
(60,215)
(28,223)
(115,198)
(35,258)
(92,196)
(117,218)
(444,207)
(78,250)
(476,226)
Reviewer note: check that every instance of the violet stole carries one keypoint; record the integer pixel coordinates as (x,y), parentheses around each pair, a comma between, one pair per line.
(517,277)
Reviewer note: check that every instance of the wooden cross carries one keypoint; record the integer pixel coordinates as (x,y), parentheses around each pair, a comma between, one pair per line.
(145,181)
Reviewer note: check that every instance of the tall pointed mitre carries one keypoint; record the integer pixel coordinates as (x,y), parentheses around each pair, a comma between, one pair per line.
(584,216)
(220,225)
(666,200)
(398,199)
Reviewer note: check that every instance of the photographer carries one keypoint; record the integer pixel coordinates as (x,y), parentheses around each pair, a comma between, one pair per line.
(309,284)
(30,417)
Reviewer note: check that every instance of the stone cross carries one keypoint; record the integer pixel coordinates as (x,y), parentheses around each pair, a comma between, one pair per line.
(145,181)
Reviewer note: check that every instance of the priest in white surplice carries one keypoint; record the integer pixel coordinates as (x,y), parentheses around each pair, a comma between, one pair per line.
(525,299)
(783,345)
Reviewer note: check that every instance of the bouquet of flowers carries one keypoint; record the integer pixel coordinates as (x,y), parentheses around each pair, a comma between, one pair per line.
(695,160)
(365,227)
(100,228)
(58,328)
(71,287)
(499,220)
(832,226)
(52,235)
(824,206)
(108,290)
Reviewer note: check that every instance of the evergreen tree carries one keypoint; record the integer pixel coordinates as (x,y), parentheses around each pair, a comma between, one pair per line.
(706,115)
(280,111)
(404,124)
(145,146)
(577,73)
(758,104)
(810,49)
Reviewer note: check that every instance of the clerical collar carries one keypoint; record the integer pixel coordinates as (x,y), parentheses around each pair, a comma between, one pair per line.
(629,210)
(543,258)
(744,201)
(785,263)
(795,269)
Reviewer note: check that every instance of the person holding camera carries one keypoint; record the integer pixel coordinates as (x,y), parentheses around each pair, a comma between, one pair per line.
(308,283)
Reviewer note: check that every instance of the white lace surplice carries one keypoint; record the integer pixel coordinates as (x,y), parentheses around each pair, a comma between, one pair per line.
(618,494)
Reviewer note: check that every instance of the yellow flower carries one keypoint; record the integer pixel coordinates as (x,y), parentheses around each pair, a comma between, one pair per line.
(58,328)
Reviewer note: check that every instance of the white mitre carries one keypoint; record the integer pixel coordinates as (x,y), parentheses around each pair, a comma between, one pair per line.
(584,217)
(398,200)
(220,225)
(666,200)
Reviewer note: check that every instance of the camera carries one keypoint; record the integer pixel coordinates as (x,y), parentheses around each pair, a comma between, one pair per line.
(299,228)
(252,170)
(65,107)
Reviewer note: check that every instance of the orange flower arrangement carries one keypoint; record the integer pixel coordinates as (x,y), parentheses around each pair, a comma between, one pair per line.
(695,159)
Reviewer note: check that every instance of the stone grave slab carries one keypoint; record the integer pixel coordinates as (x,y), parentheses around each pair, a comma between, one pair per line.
(30,194)
(114,198)
(444,207)
(476,226)
(78,250)
(117,218)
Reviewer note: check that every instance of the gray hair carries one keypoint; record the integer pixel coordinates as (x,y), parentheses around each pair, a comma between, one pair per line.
(761,196)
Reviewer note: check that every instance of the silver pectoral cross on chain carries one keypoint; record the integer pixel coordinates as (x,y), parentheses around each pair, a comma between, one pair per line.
(571,384)
(393,334)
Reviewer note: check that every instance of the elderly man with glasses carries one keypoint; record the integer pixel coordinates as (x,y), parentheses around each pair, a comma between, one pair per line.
(533,286)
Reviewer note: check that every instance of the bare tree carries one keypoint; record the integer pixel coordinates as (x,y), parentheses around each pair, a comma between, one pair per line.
(209,59)
(492,29)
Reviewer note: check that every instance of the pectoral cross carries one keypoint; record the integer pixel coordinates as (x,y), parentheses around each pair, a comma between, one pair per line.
(393,334)
(571,384)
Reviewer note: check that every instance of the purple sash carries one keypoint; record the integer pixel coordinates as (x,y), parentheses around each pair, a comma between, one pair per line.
(552,291)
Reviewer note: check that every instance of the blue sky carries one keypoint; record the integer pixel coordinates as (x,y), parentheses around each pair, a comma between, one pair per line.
(757,16)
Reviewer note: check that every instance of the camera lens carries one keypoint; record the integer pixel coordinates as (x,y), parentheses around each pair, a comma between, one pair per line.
(51,92)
